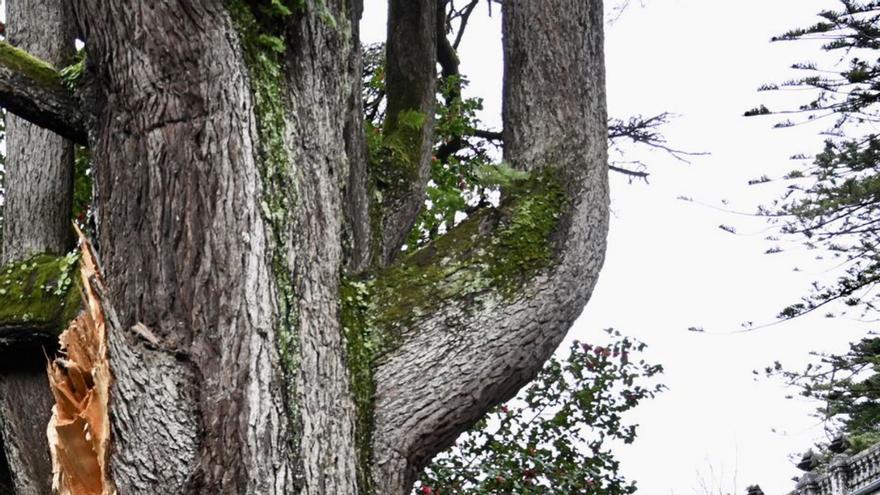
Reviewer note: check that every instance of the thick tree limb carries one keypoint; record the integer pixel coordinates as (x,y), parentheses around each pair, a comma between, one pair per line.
(32,89)
(402,171)
(466,338)
(357,231)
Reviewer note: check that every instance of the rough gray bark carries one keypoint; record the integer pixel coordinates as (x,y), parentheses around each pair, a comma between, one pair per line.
(410,80)
(39,176)
(225,223)
(319,91)
(474,352)
(358,231)
(39,193)
(207,408)
(201,411)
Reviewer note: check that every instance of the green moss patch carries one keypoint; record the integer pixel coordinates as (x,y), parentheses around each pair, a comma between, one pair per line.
(495,249)
(394,161)
(41,294)
(21,61)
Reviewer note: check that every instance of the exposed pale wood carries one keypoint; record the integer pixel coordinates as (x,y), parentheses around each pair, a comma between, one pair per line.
(79,429)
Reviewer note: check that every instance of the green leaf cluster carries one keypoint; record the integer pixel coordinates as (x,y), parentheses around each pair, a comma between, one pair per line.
(458,166)
(555,436)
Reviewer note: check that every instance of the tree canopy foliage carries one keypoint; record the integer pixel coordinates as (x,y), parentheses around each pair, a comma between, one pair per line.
(557,435)
(833,199)
(833,203)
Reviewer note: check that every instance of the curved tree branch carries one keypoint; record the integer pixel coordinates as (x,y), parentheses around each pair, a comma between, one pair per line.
(482,308)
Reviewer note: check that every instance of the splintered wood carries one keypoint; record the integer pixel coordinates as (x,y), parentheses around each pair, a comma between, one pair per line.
(79,431)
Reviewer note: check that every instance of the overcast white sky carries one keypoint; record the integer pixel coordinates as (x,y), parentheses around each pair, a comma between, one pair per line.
(669,266)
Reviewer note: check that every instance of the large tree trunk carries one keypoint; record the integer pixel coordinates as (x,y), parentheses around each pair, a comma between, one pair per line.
(235,263)
(39,182)
(266,339)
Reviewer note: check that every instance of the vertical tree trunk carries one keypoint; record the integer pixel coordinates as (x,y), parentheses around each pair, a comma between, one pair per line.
(39,183)
(39,175)
(410,80)
(220,171)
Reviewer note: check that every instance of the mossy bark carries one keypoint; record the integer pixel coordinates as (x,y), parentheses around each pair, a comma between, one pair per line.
(400,169)
(479,310)
(40,295)
(32,88)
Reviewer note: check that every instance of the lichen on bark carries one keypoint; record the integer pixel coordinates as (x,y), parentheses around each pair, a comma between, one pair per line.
(263,44)
(360,350)
(39,295)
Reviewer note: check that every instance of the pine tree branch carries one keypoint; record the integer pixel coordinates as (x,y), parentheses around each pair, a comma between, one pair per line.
(32,89)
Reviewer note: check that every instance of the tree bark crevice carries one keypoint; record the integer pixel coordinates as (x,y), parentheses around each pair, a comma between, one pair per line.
(194,267)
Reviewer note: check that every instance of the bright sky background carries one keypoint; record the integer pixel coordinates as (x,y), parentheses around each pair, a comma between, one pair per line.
(669,266)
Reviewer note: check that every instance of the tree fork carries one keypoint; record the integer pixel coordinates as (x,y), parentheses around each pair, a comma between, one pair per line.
(219,386)
(493,328)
